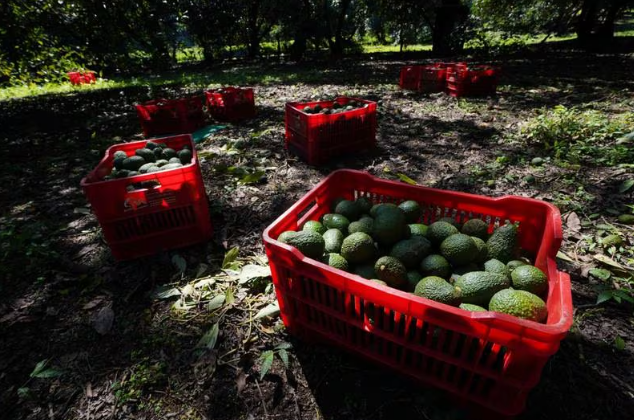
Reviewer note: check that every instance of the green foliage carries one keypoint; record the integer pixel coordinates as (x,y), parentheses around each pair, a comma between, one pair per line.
(267,357)
(25,245)
(578,136)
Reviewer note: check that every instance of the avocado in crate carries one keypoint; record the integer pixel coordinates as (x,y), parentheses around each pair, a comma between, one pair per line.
(320,130)
(418,291)
(149,196)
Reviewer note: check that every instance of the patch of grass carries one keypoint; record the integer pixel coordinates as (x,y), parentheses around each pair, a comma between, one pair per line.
(371,49)
(576,135)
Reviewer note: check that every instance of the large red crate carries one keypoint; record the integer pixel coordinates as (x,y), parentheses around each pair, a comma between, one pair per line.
(171,116)
(145,214)
(424,78)
(465,80)
(231,103)
(484,357)
(81,78)
(318,137)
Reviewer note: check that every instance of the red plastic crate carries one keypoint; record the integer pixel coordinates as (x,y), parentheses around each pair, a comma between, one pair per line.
(484,357)
(424,78)
(231,103)
(464,80)
(171,116)
(318,137)
(145,214)
(81,78)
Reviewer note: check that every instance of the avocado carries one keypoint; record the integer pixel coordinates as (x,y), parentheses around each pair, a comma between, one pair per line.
(285,236)
(437,289)
(143,169)
(482,253)
(158,153)
(418,229)
(151,145)
(411,251)
(451,221)
(146,154)
(391,271)
(336,261)
(364,204)
(174,160)
(333,239)
(513,264)
(309,243)
(169,153)
(161,162)
(472,308)
(366,271)
(377,208)
(439,231)
(529,278)
(413,277)
(519,303)
(389,225)
(349,209)
(336,221)
(503,243)
(435,265)
(477,287)
(118,162)
(459,249)
(358,248)
(185,156)
(496,266)
(476,227)
(119,154)
(412,211)
(381,282)
(365,225)
(133,163)
(171,166)
(315,226)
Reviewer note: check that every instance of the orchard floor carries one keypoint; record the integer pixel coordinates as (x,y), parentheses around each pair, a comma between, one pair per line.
(59,278)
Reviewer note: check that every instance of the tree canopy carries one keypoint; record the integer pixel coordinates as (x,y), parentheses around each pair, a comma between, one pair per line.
(42,39)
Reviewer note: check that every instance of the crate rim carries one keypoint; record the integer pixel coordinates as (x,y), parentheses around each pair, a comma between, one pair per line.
(141,177)
(294,105)
(558,328)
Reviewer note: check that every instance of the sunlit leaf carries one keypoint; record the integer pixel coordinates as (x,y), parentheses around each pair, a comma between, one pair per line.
(229,298)
(600,273)
(165,292)
(252,177)
(406,179)
(216,302)
(270,310)
(230,257)
(252,271)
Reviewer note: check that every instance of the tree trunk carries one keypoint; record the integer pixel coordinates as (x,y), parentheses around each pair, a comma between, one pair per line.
(336,48)
(587,20)
(606,30)
(253,29)
(448,31)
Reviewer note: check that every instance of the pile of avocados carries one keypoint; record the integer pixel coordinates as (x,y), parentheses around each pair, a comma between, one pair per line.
(154,157)
(456,264)
(336,108)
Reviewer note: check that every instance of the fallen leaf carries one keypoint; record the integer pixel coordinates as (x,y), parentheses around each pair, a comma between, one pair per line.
(93,303)
(165,292)
(600,273)
(270,310)
(573,223)
(216,302)
(102,320)
(241,380)
(208,340)
(626,185)
(563,256)
(252,271)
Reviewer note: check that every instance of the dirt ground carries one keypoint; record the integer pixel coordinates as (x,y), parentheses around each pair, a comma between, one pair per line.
(59,280)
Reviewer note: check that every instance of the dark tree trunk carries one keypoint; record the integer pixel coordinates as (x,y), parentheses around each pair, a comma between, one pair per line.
(587,21)
(448,30)
(298,49)
(253,29)
(336,48)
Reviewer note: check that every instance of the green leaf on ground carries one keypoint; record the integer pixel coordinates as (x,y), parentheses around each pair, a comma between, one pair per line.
(252,271)
(270,310)
(619,343)
(216,302)
(208,341)
(600,273)
(406,179)
(626,185)
(230,258)
(267,362)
